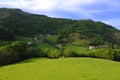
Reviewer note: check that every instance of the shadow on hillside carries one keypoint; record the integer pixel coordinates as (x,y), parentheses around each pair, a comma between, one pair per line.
(20,62)
(27,61)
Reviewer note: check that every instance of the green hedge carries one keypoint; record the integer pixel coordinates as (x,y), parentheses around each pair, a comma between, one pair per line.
(18,51)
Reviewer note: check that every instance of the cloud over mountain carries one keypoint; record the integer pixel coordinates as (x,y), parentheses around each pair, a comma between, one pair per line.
(103,10)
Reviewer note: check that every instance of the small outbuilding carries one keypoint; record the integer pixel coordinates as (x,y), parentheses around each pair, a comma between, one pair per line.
(91,47)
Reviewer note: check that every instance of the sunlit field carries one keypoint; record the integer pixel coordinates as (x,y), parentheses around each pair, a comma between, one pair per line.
(62,69)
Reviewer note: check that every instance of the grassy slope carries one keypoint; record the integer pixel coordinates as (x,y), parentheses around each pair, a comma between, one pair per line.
(62,69)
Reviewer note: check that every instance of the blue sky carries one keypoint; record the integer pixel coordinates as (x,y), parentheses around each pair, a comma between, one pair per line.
(107,11)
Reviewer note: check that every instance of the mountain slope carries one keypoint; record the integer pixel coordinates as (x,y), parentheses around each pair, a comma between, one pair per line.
(80,32)
(91,32)
(23,23)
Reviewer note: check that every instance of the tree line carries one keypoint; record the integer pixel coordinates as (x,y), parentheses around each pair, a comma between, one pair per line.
(18,51)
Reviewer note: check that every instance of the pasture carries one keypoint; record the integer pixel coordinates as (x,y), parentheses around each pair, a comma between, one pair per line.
(78,49)
(52,38)
(61,69)
(45,46)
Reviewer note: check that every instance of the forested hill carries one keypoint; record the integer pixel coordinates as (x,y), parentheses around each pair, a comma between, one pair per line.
(17,22)
(23,23)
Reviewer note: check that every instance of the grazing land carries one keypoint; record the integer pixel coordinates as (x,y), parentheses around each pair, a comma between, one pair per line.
(78,49)
(46,46)
(61,69)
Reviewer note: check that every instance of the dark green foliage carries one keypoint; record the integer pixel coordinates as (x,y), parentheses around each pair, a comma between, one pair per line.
(6,55)
(106,53)
(96,41)
(51,53)
(6,34)
(18,51)
(63,34)
(68,53)
(13,53)
(22,23)
(117,55)
(95,33)
(36,52)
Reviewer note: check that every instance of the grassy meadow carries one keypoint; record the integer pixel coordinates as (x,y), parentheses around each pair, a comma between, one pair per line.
(61,69)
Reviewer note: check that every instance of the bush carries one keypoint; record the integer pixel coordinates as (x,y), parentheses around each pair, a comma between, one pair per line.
(7,55)
(68,53)
(20,49)
(117,55)
(36,52)
(13,53)
(104,53)
(52,53)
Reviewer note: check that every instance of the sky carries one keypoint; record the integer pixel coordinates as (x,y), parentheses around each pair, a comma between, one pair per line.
(107,11)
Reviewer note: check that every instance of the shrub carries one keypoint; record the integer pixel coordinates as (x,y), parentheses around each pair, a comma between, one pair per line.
(105,53)
(68,53)
(20,49)
(52,53)
(13,53)
(117,55)
(7,55)
(36,52)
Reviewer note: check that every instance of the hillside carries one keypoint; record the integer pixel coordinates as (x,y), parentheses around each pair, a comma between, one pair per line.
(27,24)
(24,35)
(92,33)
(61,69)
(87,32)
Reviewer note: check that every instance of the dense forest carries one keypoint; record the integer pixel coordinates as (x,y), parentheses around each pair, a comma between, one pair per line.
(15,23)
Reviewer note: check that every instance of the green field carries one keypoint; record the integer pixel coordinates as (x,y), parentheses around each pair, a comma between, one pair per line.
(45,46)
(52,38)
(78,49)
(23,39)
(62,69)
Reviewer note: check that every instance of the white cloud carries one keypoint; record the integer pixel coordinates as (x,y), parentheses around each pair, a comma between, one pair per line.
(46,4)
(51,7)
(113,22)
